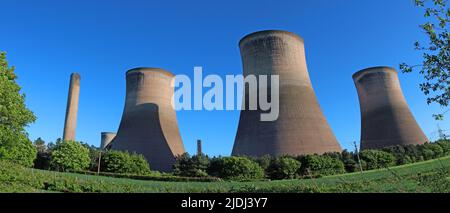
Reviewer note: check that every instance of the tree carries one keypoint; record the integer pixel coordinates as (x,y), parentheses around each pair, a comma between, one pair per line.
(125,163)
(194,166)
(284,167)
(69,155)
(376,159)
(14,117)
(435,67)
(235,168)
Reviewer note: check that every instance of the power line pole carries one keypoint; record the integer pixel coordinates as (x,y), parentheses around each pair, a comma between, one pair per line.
(442,135)
(357,154)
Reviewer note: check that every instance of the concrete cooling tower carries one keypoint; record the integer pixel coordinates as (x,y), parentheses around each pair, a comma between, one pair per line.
(301,127)
(106,139)
(149,123)
(385,116)
(70,122)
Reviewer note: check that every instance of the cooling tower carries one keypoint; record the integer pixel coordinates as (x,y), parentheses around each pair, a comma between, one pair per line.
(70,122)
(106,139)
(301,127)
(385,116)
(149,124)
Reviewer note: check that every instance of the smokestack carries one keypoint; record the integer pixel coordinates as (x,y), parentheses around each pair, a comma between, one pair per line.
(385,116)
(199,147)
(106,139)
(149,124)
(70,123)
(301,127)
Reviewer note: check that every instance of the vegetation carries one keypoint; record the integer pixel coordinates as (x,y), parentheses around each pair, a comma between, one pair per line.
(124,163)
(283,168)
(235,168)
(435,67)
(320,165)
(69,156)
(14,117)
(427,176)
(194,166)
(375,159)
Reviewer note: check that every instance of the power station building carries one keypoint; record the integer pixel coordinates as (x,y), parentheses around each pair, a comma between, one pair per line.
(385,116)
(70,123)
(149,124)
(301,127)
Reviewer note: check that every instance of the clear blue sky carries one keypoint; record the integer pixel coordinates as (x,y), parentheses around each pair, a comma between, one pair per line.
(48,39)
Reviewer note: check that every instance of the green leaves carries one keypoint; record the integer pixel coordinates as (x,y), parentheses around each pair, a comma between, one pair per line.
(435,67)
(69,155)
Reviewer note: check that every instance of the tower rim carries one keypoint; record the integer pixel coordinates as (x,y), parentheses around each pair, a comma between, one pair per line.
(262,32)
(149,69)
(364,71)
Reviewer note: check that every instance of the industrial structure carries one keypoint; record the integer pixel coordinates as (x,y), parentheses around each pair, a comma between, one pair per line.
(106,139)
(301,127)
(385,116)
(70,122)
(149,125)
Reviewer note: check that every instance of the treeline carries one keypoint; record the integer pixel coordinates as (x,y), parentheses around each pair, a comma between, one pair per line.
(77,156)
(305,166)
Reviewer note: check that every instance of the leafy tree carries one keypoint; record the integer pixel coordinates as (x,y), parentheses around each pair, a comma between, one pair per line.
(14,117)
(375,159)
(69,155)
(350,164)
(320,165)
(194,166)
(435,67)
(235,168)
(123,162)
(283,168)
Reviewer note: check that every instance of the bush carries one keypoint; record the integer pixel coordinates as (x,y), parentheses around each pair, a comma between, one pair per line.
(350,161)
(235,168)
(264,161)
(375,159)
(283,168)
(123,162)
(20,152)
(194,166)
(445,145)
(399,152)
(69,155)
(320,165)
(431,151)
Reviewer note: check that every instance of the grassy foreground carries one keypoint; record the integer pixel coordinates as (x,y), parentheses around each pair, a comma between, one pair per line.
(427,176)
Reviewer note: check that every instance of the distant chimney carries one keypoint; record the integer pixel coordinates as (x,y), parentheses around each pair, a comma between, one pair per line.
(199,147)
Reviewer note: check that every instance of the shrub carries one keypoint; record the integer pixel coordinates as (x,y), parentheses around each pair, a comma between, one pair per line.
(445,145)
(264,161)
(283,168)
(123,162)
(375,159)
(69,155)
(320,165)
(194,166)
(235,168)
(431,151)
(399,152)
(350,163)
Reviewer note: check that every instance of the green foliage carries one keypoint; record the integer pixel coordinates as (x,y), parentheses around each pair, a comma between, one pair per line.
(194,166)
(14,117)
(69,155)
(435,66)
(283,168)
(445,144)
(431,151)
(350,161)
(264,161)
(320,165)
(235,168)
(375,159)
(124,163)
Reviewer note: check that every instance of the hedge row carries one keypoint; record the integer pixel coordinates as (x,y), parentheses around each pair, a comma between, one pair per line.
(306,166)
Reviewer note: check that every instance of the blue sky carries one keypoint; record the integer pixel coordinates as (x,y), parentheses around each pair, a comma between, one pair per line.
(48,39)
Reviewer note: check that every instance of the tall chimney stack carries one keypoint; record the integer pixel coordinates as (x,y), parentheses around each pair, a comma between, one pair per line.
(70,123)
(199,147)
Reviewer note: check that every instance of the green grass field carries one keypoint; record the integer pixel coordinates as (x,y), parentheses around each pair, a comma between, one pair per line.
(427,176)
